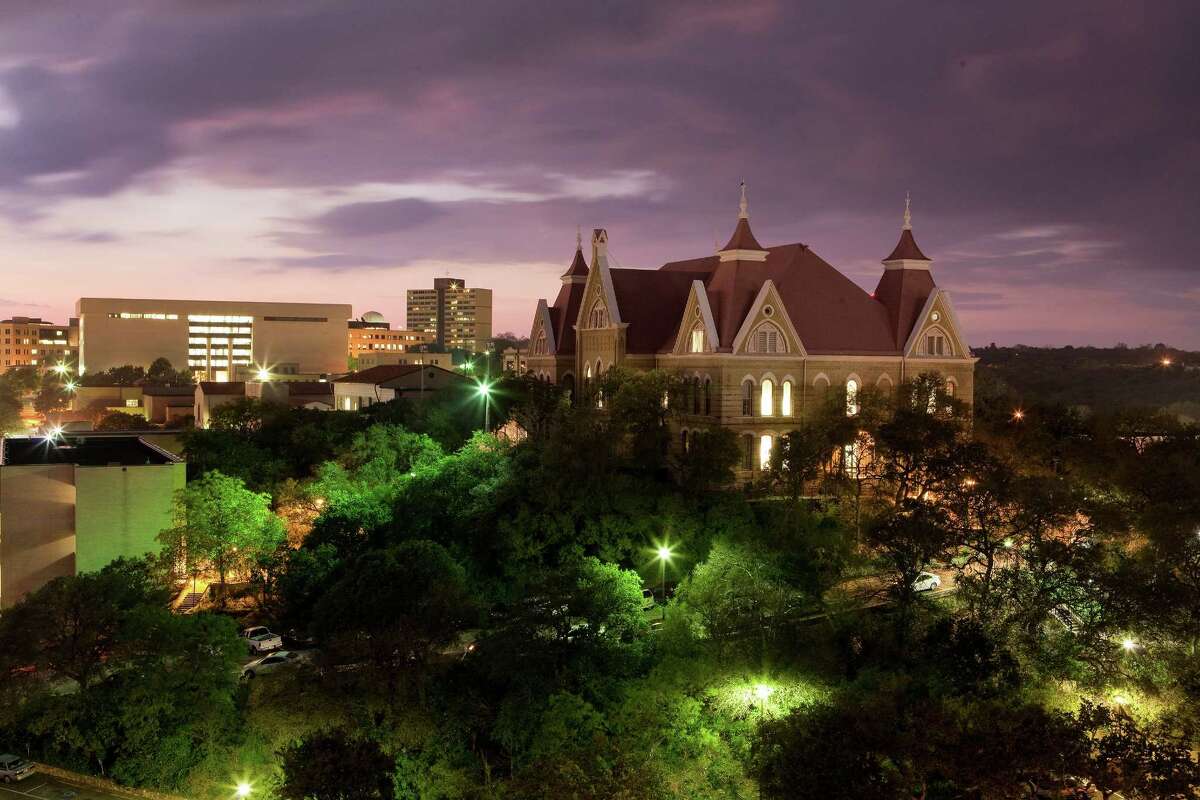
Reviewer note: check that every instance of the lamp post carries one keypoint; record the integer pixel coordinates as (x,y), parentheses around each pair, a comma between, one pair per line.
(243,789)
(664,555)
(762,691)
(485,391)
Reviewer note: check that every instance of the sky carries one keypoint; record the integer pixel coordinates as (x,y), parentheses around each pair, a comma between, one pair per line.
(347,151)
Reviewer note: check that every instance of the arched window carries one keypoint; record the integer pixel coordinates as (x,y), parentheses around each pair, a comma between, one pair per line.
(747,398)
(764,451)
(539,346)
(949,388)
(850,458)
(766,403)
(707,396)
(696,394)
(767,338)
(785,399)
(683,437)
(936,343)
(567,382)
(598,316)
(747,451)
(696,342)
(851,398)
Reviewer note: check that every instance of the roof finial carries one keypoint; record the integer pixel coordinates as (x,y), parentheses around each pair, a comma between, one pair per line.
(907,212)
(579,237)
(742,212)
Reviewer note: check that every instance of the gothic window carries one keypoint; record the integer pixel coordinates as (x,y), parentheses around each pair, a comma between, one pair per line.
(747,398)
(539,345)
(598,316)
(684,440)
(695,395)
(785,399)
(747,451)
(696,344)
(937,343)
(850,458)
(766,338)
(764,451)
(767,398)
(851,398)
(707,396)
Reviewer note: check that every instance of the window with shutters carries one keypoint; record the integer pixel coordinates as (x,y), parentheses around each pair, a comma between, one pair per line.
(767,338)
(747,398)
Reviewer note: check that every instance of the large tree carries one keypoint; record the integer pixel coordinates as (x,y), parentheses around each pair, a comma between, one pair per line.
(221,525)
(335,765)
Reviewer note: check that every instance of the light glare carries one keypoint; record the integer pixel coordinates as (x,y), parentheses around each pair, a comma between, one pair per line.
(243,789)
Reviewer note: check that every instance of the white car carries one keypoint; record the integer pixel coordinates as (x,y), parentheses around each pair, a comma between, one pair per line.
(926,582)
(647,599)
(272,662)
(261,640)
(14,768)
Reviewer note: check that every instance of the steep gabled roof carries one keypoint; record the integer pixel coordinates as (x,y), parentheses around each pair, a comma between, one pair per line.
(906,249)
(651,303)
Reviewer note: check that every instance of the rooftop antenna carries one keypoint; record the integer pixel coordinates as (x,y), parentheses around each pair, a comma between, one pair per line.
(907,212)
(742,206)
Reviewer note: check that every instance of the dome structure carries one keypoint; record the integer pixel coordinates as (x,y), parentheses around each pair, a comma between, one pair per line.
(373,316)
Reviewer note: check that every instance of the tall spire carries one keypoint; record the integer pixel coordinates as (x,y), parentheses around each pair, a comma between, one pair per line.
(907,212)
(578,271)
(906,253)
(742,245)
(579,238)
(743,212)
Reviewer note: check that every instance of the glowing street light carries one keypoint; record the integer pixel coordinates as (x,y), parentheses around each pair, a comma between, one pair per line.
(70,386)
(1128,645)
(263,374)
(485,391)
(1018,415)
(61,368)
(54,432)
(663,554)
(243,789)
(1166,362)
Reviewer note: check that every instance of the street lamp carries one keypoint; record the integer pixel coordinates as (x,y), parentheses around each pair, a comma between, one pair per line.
(70,386)
(1018,415)
(485,391)
(1128,645)
(243,789)
(663,553)
(61,368)
(263,374)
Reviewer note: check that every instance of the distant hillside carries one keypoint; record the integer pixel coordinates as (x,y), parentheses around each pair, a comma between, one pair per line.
(1101,379)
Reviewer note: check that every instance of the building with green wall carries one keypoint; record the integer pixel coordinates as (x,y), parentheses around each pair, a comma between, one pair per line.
(78,502)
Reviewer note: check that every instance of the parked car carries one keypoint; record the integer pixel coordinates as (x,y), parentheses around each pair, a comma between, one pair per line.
(647,599)
(267,664)
(926,582)
(14,768)
(261,640)
(1061,788)
(299,640)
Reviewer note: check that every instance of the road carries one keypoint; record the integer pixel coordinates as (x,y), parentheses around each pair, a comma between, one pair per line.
(43,787)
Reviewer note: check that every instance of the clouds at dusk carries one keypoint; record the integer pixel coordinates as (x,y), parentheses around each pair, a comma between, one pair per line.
(349,151)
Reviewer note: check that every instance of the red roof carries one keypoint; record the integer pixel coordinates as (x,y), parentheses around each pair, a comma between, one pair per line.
(830,312)
(565,310)
(380,374)
(906,248)
(743,238)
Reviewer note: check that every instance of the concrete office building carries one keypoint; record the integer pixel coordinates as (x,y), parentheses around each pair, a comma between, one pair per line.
(78,503)
(34,342)
(219,340)
(456,317)
(358,390)
(373,342)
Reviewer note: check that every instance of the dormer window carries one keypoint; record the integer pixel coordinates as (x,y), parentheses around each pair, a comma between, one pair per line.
(937,343)
(539,344)
(696,343)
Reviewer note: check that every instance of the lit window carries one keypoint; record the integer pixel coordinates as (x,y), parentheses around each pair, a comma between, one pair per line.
(850,459)
(764,451)
(697,343)
(131,402)
(851,398)
(785,399)
(766,403)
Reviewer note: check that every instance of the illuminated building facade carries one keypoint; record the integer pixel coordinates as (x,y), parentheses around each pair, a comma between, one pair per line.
(373,342)
(34,342)
(455,316)
(218,340)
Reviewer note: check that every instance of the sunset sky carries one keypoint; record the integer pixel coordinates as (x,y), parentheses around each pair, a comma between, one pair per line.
(345,152)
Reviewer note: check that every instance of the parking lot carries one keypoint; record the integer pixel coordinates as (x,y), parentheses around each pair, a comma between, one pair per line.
(43,787)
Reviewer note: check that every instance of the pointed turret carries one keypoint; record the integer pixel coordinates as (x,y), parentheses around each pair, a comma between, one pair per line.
(906,282)
(578,271)
(742,245)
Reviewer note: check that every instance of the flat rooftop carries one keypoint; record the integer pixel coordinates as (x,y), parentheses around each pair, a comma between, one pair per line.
(82,450)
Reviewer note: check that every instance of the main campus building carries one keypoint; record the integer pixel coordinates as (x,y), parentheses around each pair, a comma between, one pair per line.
(762,335)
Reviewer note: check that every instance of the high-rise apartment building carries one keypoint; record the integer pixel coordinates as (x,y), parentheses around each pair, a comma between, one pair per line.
(373,342)
(456,316)
(34,342)
(219,340)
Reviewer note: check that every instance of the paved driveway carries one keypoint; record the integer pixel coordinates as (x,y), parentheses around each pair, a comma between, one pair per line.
(43,787)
